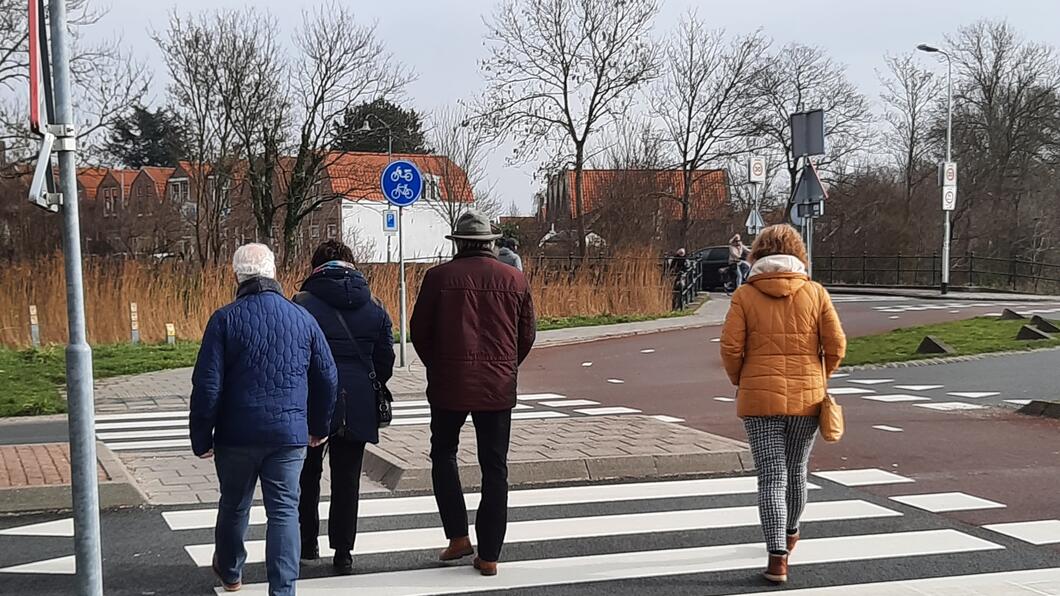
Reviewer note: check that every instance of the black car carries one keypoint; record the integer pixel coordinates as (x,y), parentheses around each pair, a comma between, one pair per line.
(711,260)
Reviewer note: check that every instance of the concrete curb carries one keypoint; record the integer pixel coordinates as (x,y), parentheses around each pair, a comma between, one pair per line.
(943,360)
(120,491)
(1043,409)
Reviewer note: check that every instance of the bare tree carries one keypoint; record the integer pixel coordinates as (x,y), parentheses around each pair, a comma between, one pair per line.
(558,70)
(910,97)
(462,177)
(340,63)
(800,78)
(707,101)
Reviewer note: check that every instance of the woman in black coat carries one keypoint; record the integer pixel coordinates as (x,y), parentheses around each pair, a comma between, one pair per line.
(336,293)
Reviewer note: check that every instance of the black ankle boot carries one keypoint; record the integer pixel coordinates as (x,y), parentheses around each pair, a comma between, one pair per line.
(343,563)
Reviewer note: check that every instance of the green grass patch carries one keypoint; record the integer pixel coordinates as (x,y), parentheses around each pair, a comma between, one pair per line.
(972,336)
(553,323)
(30,379)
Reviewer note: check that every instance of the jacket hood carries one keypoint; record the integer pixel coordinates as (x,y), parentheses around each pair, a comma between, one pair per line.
(339,285)
(778,276)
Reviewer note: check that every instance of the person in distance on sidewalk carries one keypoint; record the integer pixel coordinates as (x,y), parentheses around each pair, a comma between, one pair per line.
(337,296)
(473,325)
(264,386)
(781,341)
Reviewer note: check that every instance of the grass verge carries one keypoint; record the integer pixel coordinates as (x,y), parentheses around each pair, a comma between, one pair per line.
(30,380)
(981,335)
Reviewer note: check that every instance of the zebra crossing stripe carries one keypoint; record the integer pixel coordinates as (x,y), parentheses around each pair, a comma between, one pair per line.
(1027,582)
(392,541)
(197,519)
(57,566)
(639,564)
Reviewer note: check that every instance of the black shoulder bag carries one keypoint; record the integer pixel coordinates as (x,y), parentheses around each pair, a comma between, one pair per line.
(383,412)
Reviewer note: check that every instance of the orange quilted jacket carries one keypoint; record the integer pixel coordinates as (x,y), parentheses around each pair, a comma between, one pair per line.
(778,327)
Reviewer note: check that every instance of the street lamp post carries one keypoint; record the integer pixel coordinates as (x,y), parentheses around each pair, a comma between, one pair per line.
(949,154)
(402,289)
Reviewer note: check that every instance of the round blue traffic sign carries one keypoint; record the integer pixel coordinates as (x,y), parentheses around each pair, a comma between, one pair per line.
(402,183)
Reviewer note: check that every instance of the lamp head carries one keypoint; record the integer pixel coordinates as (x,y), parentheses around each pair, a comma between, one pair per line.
(926,48)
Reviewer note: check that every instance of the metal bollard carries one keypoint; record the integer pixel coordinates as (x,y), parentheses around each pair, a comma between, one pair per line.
(34,327)
(134,323)
(171,334)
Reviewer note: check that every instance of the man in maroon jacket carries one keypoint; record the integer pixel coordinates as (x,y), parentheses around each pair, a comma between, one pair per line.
(472,327)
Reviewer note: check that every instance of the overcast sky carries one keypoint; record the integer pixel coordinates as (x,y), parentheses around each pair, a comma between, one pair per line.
(442,39)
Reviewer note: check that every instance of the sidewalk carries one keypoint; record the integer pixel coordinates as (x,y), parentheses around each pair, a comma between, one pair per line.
(37,478)
(954,294)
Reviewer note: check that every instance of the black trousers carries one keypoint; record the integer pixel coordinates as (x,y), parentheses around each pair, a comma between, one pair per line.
(345,459)
(493,431)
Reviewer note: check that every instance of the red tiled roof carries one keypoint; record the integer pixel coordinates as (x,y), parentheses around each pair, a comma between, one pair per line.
(120,177)
(90,179)
(158,176)
(356,175)
(710,189)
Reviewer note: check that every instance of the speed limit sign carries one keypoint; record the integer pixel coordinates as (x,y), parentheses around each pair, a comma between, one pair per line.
(949,198)
(949,173)
(756,170)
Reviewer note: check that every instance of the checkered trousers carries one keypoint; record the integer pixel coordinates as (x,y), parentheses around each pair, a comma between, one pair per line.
(781,448)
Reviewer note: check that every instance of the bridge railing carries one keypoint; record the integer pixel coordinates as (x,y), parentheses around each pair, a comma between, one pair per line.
(925,271)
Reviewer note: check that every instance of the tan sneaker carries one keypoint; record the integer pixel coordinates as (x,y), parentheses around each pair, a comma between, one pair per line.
(458,549)
(793,539)
(485,567)
(777,571)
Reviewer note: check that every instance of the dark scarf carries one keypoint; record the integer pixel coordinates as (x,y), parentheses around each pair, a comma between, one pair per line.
(257,285)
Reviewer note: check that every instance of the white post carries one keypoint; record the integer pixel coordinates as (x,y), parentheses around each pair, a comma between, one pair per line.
(949,150)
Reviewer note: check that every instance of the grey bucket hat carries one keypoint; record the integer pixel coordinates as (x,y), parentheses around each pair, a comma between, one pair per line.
(473,225)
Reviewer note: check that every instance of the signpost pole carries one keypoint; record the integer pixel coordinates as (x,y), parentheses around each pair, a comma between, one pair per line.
(78,353)
(404,295)
(949,148)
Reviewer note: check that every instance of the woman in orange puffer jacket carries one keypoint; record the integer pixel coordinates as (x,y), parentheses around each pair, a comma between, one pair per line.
(782,339)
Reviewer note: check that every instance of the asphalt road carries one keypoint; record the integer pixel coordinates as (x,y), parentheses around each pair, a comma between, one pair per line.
(705,543)
(27,430)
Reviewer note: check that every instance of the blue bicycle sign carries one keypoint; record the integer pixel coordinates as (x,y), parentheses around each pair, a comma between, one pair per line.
(401,183)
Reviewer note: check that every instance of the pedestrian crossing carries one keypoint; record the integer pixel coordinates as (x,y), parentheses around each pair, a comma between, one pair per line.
(653,537)
(696,536)
(168,430)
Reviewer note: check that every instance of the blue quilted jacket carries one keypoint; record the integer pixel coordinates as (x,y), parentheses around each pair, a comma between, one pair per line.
(264,376)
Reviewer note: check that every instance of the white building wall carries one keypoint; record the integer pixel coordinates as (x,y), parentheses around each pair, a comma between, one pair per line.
(425,229)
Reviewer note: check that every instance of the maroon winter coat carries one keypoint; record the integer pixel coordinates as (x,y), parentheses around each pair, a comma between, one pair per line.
(472,327)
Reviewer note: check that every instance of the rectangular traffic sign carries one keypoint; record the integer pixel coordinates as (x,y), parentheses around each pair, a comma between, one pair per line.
(756,170)
(390,222)
(807,133)
(948,173)
(949,198)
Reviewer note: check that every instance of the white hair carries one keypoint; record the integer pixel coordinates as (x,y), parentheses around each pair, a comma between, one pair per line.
(253,260)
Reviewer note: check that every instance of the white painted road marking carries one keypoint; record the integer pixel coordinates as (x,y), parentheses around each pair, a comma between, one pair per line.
(890,429)
(566,528)
(197,519)
(974,394)
(900,397)
(944,502)
(663,418)
(628,565)
(866,477)
(59,527)
(870,381)
(608,411)
(949,406)
(1007,583)
(918,387)
(59,566)
(1046,531)
(849,391)
(615,381)
(724,399)
(569,403)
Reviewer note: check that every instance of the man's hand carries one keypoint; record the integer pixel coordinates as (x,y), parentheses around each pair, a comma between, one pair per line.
(207,455)
(317,441)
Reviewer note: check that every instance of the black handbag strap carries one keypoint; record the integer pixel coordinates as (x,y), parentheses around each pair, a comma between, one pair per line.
(356,348)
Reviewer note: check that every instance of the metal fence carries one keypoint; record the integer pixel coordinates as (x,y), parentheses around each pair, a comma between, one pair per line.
(925,271)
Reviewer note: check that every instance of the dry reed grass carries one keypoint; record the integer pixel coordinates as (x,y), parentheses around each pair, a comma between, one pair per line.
(186,295)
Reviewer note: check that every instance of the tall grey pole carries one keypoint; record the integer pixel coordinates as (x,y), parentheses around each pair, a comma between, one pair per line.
(402,290)
(949,149)
(78,353)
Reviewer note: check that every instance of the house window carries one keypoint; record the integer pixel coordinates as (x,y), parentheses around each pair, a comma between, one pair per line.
(142,206)
(178,191)
(314,232)
(108,204)
(333,231)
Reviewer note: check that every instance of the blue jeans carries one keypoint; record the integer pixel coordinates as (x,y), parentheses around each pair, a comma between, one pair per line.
(238,471)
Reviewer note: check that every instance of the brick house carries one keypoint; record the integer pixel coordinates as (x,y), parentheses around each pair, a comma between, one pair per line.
(634,206)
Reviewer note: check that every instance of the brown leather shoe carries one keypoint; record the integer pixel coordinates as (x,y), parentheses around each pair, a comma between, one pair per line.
(793,539)
(777,571)
(458,549)
(234,587)
(485,567)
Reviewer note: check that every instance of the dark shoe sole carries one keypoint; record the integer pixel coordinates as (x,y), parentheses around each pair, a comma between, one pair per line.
(225,585)
(456,556)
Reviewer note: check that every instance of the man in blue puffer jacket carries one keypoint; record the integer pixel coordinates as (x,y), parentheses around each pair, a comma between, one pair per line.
(264,387)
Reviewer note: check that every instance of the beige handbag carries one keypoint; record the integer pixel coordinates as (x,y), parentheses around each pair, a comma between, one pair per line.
(831,416)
